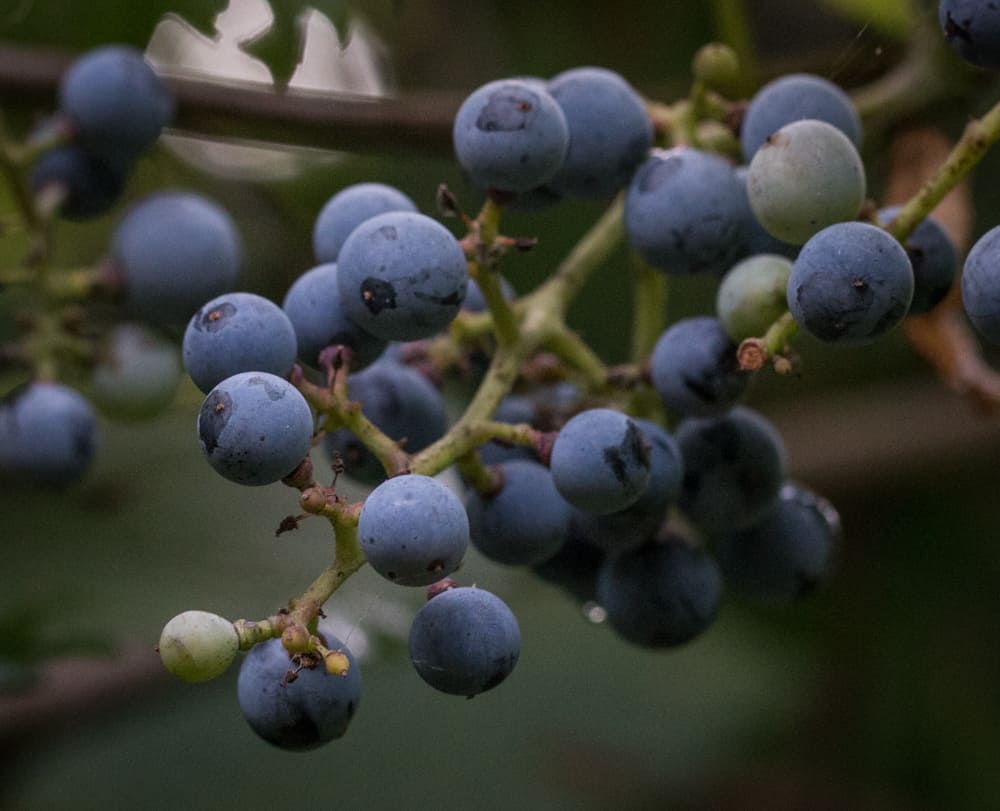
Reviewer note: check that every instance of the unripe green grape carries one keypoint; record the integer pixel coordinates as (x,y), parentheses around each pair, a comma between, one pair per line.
(136,374)
(753,295)
(718,67)
(806,176)
(198,646)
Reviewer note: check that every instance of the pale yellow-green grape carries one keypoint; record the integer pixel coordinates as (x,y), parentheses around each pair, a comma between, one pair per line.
(198,645)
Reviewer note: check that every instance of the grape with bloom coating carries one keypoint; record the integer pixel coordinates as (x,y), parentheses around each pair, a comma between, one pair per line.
(237,332)
(297,714)
(402,276)
(198,645)
(347,209)
(116,102)
(972,29)
(413,530)
(600,461)
(685,212)
(850,284)
(609,132)
(794,97)
(255,428)
(525,522)
(695,370)
(48,434)
(510,135)
(464,641)
(806,176)
(175,251)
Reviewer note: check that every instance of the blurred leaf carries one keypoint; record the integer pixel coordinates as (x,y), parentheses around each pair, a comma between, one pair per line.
(79,26)
(280,47)
(894,18)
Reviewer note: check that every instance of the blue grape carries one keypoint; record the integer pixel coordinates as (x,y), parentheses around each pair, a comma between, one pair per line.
(117,103)
(972,28)
(933,257)
(255,428)
(413,530)
(48,435)
(614,532)
(981,285)
(237,332)
(402,276)
(684,212)
(787,553)
(662,594)
(136,374)
(793,98)
(694,368)
(464,641)
(401,403)
(314,307)
(734,466)
(806,176)
(851,283)
(609,132)
(175,251)
(91,184)
(753,295)
(297,714)
(757,239)
(510,136)
(525,522)
(347,209)
(600,461)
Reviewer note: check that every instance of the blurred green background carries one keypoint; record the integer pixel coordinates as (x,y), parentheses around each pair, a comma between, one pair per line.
(881,692)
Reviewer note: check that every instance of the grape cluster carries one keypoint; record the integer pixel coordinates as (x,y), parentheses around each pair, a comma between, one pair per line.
(565,473)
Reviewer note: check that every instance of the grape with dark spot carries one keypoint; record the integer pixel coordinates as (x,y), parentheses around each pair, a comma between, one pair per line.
(600,461)
(402,276)
(237,332)
(972,29)
(255,428)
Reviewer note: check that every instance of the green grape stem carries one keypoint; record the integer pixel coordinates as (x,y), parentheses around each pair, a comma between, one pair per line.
(979,135)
